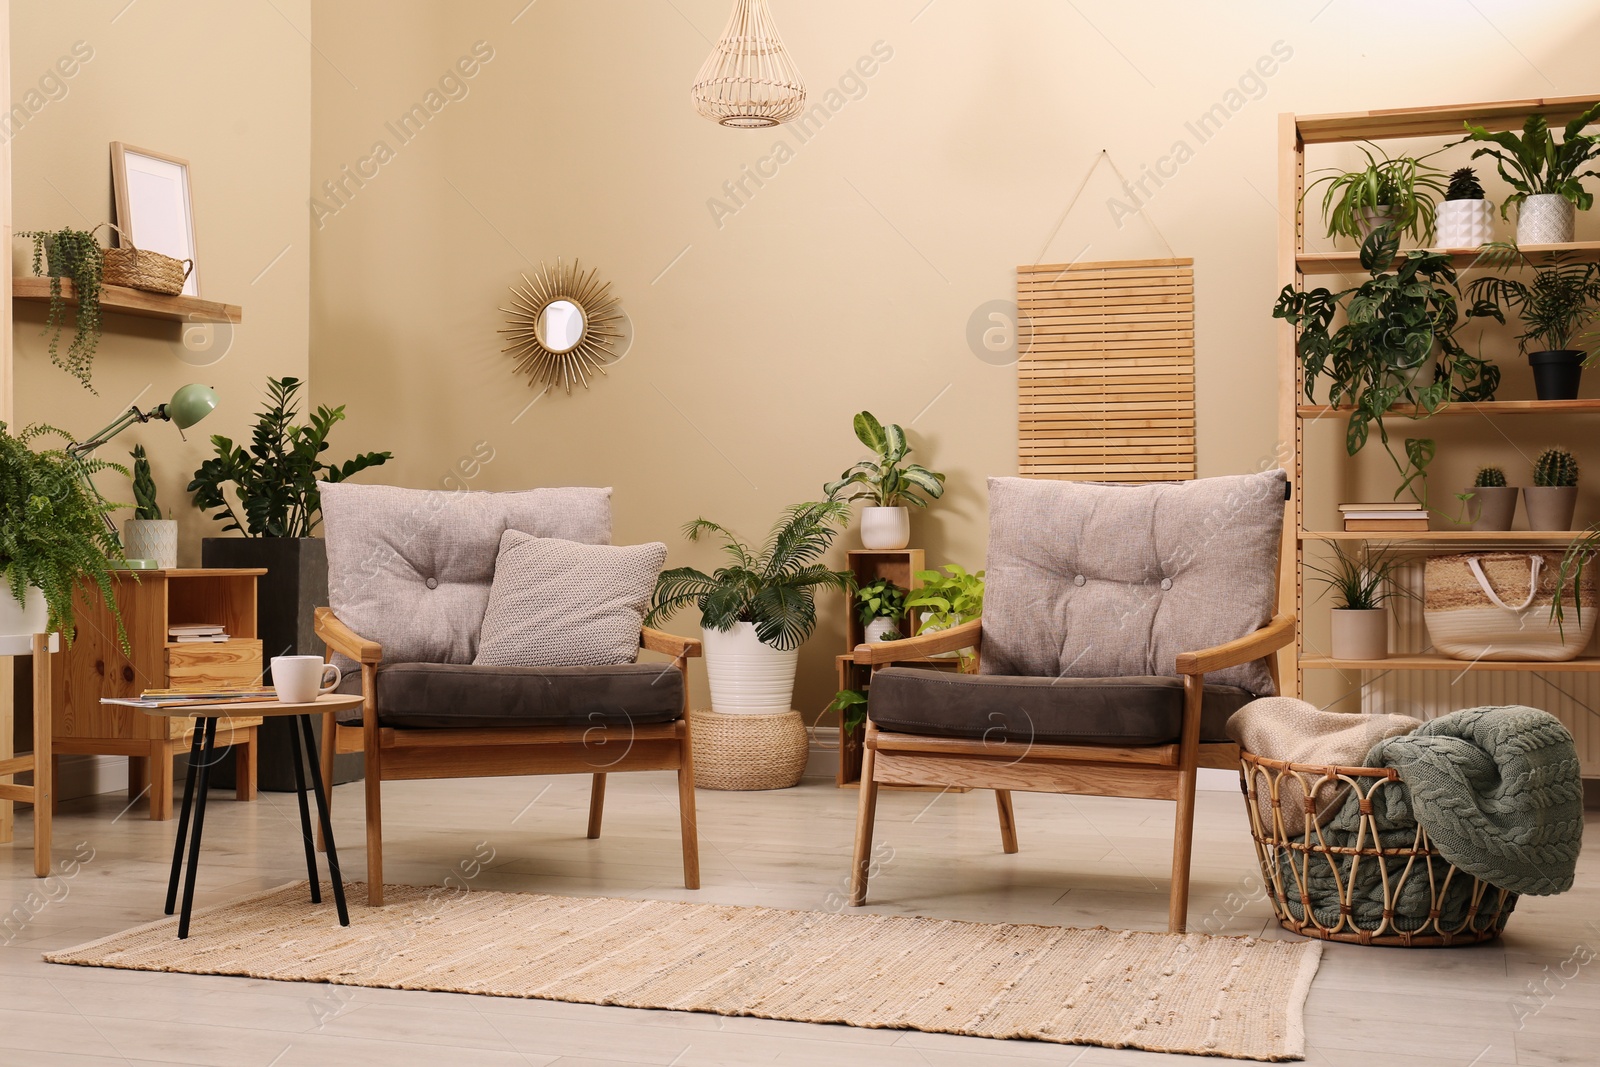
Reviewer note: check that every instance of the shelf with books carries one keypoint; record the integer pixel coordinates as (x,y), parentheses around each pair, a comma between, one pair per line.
(1435,662)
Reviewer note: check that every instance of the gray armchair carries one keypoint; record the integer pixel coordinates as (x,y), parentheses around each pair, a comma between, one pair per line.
(1122,626)
(409,576)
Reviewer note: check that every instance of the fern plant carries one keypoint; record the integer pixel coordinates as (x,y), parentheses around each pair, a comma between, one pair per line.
(1534,162)
(144,487)
(890,481)
(54,532)
(276,478)
(773,587)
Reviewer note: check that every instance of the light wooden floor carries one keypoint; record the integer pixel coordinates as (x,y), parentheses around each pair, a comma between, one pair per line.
(1084,861)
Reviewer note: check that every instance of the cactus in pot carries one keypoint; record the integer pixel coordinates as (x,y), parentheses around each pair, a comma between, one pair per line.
(1553,496)
(1492,502)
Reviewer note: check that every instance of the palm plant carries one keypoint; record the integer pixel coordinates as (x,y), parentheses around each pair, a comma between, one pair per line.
(1563,298)
(1396,192)
(774,588)
(886,483)
(1534,163)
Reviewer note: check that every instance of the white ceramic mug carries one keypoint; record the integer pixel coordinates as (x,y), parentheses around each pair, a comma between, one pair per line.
(301,679)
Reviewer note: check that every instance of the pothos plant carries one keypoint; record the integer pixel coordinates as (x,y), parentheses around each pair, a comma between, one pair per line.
(76,255)
(1396,345)
(276,478)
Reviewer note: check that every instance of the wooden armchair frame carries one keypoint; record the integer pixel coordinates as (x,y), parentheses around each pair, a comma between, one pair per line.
(1151,772)
(401,755)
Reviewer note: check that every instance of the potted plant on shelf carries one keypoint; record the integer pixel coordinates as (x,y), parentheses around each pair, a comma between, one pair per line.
(1360,585)
(1553,496)
(77,256)
(851,704)
(1396,193)
(1495,501)
(889,484)
(1563,298)
(1465,219)
(148,535)
(1545,174)
(278,512)
(1397,345)
(54,536)
(946,598)
(881,605)
(758,610)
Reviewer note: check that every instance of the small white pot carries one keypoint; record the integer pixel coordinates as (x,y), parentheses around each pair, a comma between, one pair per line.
(30,617)
(885,528)
(1360,633)
(1373,217)
(1464,223)
(1546,219)
(875,629)
(748,677)
(155,539)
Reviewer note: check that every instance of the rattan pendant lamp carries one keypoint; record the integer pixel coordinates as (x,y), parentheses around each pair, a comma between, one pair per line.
(748,81)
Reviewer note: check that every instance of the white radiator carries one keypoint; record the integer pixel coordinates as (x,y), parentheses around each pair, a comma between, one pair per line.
(1571,696)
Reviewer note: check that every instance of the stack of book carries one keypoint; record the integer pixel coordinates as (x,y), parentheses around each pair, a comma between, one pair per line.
(196,696)
(200,632)
(1388,517)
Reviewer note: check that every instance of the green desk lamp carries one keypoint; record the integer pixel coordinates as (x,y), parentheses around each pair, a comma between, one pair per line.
(188,406)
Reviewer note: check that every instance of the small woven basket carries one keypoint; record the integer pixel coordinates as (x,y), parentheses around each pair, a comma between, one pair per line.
(139,269)
(748,751)
(1329,885)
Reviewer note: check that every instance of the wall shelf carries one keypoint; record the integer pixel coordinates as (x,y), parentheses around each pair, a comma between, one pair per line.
(1460,258)
(1446,663)
(1455,537)
(1488,407)
(122,300)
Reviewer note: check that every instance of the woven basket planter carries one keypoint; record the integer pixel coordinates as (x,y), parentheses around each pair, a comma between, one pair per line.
(748,751)
(1329,884)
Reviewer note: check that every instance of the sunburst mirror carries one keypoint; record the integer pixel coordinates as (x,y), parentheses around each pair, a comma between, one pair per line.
(564,326)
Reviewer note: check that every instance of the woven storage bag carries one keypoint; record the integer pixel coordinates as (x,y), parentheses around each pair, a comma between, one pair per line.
(138,269)
(1496,605)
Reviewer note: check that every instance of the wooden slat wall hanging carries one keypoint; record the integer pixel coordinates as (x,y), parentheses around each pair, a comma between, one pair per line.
(1105,382)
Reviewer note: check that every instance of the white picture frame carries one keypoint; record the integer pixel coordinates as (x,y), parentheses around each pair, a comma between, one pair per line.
(154,205)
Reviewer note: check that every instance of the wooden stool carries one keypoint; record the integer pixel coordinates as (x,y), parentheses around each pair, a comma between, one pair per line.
(40,793)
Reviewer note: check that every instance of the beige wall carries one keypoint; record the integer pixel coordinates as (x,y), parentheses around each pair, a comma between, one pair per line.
(847,280)
(227,87)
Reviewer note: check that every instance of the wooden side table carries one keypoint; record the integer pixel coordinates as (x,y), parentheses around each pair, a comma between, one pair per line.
(202,754)
(41,794)
(94,667)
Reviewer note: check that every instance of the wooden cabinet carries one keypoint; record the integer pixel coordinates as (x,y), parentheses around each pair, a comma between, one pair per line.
(151,602)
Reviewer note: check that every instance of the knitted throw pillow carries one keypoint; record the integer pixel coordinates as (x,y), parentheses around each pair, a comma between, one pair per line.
(559,603)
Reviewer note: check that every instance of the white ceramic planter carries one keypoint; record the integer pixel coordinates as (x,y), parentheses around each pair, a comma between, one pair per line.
(1550,507)
(155,539)
(1546,219)
(748,677)
(875,629)
(1464,223)
(1360,634)
(885,528)
(1493,506)
(1373,217)
(30,617)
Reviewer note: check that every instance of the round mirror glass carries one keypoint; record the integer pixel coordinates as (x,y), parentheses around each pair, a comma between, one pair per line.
(560,326)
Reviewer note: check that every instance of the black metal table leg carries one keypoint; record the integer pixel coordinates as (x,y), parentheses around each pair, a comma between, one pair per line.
(322,814)
(183,816)
(207,756)
(305,815)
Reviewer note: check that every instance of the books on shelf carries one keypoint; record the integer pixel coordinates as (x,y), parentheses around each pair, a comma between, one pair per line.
(1384,517)
(1382,505)
(1386,525)
(197,633)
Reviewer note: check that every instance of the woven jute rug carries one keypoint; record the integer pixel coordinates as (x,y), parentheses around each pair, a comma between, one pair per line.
(1214,996)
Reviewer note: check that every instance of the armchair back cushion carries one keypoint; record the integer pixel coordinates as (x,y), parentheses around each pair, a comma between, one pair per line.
(411,568)
(1103,581)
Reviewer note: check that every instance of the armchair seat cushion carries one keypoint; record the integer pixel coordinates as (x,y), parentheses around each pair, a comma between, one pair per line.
(1061,711)
(446,695)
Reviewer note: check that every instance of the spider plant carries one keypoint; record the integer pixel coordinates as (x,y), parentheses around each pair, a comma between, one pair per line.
(1579,554)
(1534,163)
(1394,192)
(773,587)
(1562,299)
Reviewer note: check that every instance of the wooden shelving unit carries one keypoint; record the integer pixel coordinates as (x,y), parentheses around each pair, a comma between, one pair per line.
(1295,265)
(124,301)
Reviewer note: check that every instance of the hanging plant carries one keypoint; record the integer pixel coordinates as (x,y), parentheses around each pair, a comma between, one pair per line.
(74,254)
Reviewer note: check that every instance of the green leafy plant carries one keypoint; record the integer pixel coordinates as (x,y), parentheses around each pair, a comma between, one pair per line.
(1359,582)
(74,254)
(276,478)
(774,587)
(1534,162)
(1464,185)
(1579,554)
(881,599)
(1563,298)
(851,704)
(1397,193)
(1397,345)
(1555,467)
(144,487)
(1490,478)
(947,597)
(54,533)
(890,481)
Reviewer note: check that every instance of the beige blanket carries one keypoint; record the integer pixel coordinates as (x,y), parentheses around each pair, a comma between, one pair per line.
(1283,728)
